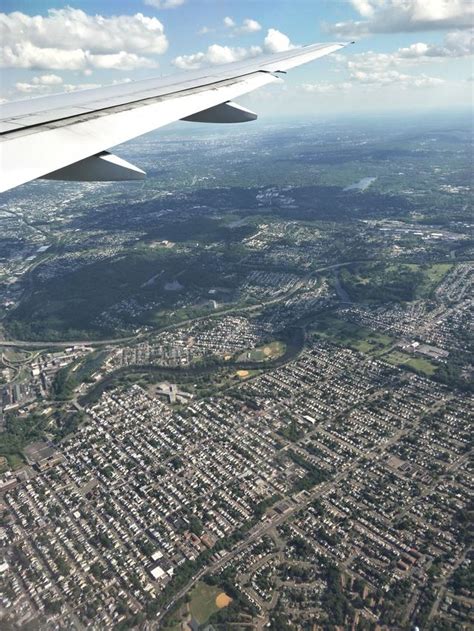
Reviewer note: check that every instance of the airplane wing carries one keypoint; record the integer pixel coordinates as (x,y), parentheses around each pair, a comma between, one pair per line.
(66,136)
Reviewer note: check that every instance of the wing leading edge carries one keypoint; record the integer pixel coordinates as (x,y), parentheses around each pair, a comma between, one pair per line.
(66,136)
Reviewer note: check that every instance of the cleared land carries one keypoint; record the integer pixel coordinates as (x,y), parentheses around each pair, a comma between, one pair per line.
(353,335)
(417,363)
(264,353)
(223,600)
(204,601)
(432,276)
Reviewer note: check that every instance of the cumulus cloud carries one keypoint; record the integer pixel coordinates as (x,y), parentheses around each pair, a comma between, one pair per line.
(371,62)
(274,42)
(364,7)
(43,83)
(164,4)
(71,39)
(28,56)
(48,79)
(214,56)
(455,44)
(381,69)
(396,16)
(250,26)
(247,26)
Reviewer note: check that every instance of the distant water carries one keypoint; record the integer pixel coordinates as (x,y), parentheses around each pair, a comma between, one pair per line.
(361,185)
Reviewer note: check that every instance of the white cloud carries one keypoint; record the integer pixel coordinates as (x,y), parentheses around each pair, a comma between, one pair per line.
(71,39)
(30,88)
(325,87)
(28,56)
(225,54)
(396,16)
(455,44)
(164,4)
(215,55)
(395,78)
(36,87)
(48,79)
(383,69)
(47,84)
(414,50)
(274,42)
(250,26)
(364,7)
(277,42)
(372,62)
(120,61)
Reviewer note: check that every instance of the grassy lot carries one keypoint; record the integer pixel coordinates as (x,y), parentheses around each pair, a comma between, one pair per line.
(201,606)
(264,353)
(399,282)
(203,601)
(432,276)
(353,335)
(13,461)
(418,363)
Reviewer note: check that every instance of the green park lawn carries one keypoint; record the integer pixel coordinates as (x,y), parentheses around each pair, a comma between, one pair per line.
(419,364)
(348,334)
(264,353)
(202,605)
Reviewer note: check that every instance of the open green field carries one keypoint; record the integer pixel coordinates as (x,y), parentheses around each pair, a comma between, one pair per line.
(203,601)
(264,353)
(399,282)
(349,334)
(11,461)
(433,275)
(201,606)
(420,364)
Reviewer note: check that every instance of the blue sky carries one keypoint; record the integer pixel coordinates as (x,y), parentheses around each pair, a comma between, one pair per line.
(409,54)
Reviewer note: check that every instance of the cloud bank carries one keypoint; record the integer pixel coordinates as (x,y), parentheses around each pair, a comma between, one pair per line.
(73,40)
(399,16)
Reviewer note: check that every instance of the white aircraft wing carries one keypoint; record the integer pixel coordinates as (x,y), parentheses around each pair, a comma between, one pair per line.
(66,136)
